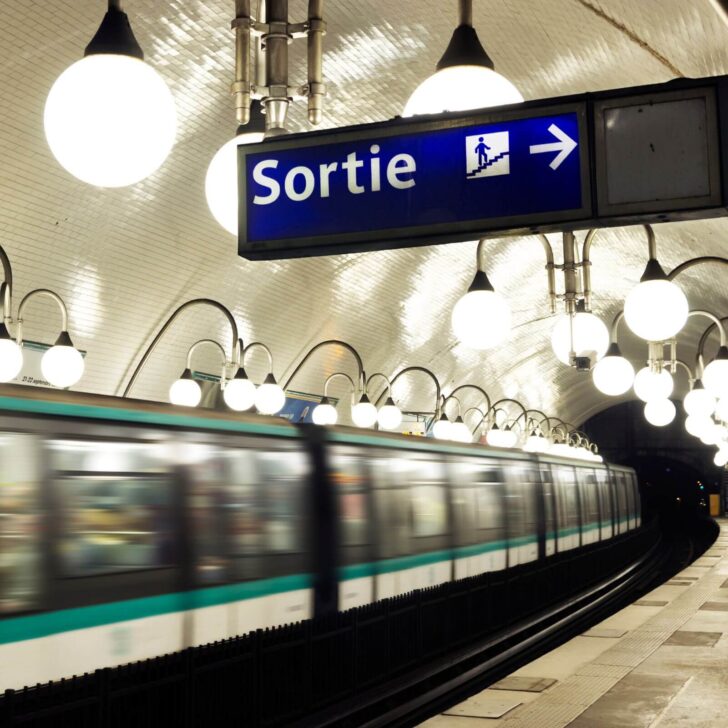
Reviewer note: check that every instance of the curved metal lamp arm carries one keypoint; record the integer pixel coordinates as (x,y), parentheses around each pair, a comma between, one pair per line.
(544,418)
(211,342)
(524,411)
(449,397)
(691,375)
(615,326)
(48,294)
(235,346)
(694,261)
(407,370)
(384,377)
(476,388)
(586,260)
(550,266)
(338,374)
(7,292)
(716,321)
(707,333)
(329,342)
(259,345)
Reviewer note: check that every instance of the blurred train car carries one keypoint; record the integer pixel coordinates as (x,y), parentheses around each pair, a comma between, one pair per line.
(130,529)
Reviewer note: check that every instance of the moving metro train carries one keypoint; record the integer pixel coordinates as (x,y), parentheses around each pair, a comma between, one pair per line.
(130,529)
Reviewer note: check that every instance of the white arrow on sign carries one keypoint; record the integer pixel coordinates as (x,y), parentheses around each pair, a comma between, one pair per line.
(565,146)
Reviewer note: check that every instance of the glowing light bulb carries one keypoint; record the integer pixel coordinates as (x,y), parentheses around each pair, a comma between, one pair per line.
(364,413)
(715,375)
(481,319)
(711,435)
(442,428)
(613,374)
(535,443)
(650,385)
(389,416)
(659,412)
(656,309)
(501,437)
(721,409)
(324,414)
(185,391)
(269,397)
(221,181)
(460,432)
(11,356)
(699,401)
(697,424)
(62,365)
(590,337)
(721,457)
(459,88)
(239,392)
(110,120)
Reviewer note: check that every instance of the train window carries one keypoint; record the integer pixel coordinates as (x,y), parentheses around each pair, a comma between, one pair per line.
(567,507)
(477,502)
(282,477)
(549,496)
(589,497)
(621,502)
(428,497)
(348,477)
(605,502)
(20,520)
(115,516)
(429,510)
(521,503)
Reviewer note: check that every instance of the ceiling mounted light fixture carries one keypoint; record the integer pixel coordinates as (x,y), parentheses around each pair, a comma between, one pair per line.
(582,335)
(481,318)
(613,374)
(187,392)
(324,412)
(442,429)
(110,118)
(264,115)
(656,308)
(465,77)
(364,413)
(239,392)
(389,416)
(650,384)
(659,412)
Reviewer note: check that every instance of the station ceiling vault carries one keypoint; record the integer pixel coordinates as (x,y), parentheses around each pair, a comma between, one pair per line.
(124,259)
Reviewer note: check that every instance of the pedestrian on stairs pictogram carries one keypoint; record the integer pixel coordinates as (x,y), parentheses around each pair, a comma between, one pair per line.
(487,155)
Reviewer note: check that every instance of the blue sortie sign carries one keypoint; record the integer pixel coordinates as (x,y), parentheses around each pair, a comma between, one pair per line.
(387,186)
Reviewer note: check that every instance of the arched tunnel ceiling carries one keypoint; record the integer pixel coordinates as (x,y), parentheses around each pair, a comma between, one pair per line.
(124,259)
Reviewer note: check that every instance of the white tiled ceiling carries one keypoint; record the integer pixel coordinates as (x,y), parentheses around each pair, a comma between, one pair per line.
(124,259)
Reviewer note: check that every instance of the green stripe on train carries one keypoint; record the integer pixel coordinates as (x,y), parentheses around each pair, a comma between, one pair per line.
(17,629)
(41,625)
(62,409)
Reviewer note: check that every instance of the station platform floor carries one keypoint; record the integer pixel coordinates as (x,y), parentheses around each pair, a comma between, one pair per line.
(661,661)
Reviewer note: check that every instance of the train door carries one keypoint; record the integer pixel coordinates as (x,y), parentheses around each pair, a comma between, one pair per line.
(522,512)
(348,475)
(606,528)
(412,511)
(548,492)
(567,502)
(589,499)
(478,517)
(248,510)
(621,502)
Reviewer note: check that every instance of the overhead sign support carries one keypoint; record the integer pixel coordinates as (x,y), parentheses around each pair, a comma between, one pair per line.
(636,155)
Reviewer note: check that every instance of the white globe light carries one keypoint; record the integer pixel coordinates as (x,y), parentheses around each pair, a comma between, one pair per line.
(613,375)
(535,443)
(721,457)
(659,412)
(364,414)
(459,88)
(185,392)
(501,437)
(239,394)
(699,402)
(269,397)
(696,425)
(715,376)
(711,435)
(591,337)
(11,359)
(481,319)
(110,120)
(324,414)
(389,416)
(656,310)
(442,429)
(221,181)
(460,432)
(721,409)
(62,365)
(649,385)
